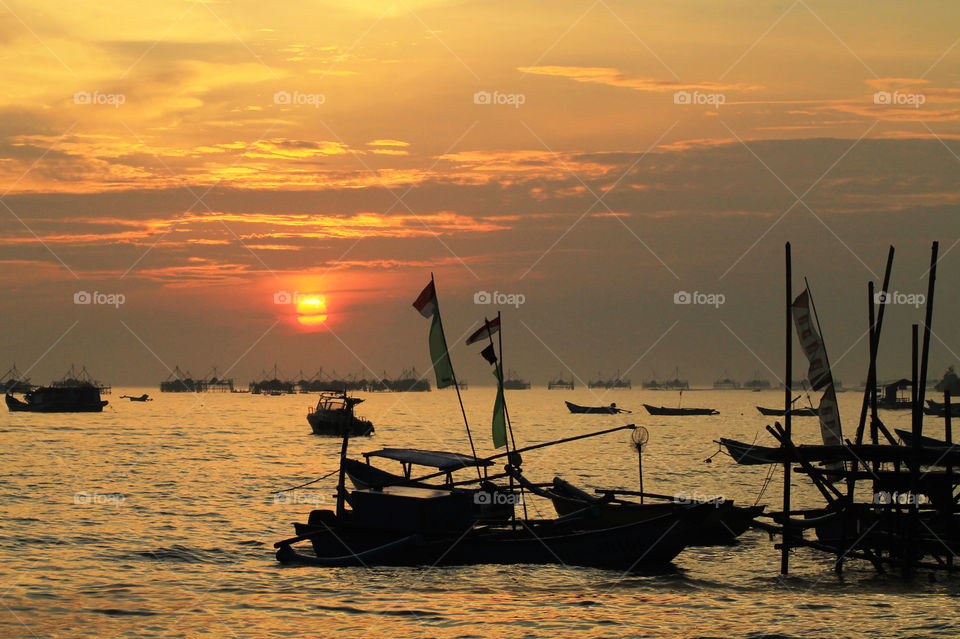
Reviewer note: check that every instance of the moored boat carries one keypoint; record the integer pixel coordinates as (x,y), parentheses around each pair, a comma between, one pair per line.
(794,412)
(720,527)
(68,399)
(663,410)
(334,417)
(599,410)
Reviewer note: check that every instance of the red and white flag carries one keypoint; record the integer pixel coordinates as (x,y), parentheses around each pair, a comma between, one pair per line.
(484,332)
(426,303)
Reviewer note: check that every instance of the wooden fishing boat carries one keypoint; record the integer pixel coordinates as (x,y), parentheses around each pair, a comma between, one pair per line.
(597,410)
(794,412)
(422,527)
(939,409)
(939,455)
(751,454)
(334,416)
(69,399)
(720,527)
(907,437)
(663,410)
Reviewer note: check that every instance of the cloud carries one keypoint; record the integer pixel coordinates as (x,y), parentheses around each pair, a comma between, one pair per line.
(616,78)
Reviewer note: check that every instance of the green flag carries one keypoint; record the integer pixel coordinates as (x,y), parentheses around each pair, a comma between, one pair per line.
(499,418)
(426,305)
(438,353)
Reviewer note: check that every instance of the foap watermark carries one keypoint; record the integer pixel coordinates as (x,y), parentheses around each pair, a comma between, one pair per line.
(509,99)
(103,299)
(700,299)
(286,98)
(98,499)
(296,298)
(298,498)
(915,300)
(899,98)
(497,499)
(907,499)
(697,498)
(500,299)
(698,98)
(97,98)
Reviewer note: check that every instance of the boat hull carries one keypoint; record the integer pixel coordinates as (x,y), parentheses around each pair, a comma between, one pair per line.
(55,406)
(594,410)
(327,425)
(679,412)
(795,412)
(644,545)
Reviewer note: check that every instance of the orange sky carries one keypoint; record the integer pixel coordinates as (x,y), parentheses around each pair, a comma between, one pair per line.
(596,157)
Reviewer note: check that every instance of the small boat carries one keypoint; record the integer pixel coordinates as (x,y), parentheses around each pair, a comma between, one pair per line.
(907,437)
(334,416)
(420,528)
(721,527)
(939,409)
(141,398)
(599,410)
(416,525)
(751,454)
(794,412)
(69,399)
(663,410)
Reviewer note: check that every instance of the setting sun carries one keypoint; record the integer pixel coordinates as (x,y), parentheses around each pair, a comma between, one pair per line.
(312,310)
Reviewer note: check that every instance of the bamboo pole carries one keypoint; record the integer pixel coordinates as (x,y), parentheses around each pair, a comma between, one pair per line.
(788,391)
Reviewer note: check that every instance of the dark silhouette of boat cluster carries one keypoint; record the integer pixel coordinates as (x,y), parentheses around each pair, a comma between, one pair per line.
(514,382)
(669,384)
(617,383)
(13,381)
(906,517)
(560,384)
(75,392)
(183,382)
(274,383)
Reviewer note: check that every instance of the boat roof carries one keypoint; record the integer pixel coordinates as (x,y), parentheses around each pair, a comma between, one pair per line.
(441,460)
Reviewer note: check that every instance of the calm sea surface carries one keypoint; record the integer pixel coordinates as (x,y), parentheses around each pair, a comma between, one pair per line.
(158,518)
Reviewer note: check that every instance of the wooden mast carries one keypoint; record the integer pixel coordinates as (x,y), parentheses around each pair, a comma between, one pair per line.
(787,391)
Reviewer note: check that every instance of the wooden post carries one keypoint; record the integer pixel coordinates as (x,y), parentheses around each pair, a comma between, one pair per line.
(948,434)
(341,481)
(927,321)
(787,392)
(870,393)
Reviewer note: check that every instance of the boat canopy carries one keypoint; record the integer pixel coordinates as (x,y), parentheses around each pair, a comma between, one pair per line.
(438,459)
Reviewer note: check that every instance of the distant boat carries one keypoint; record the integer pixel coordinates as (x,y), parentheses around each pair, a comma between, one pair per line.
(69,399)
(794,412)
(560,384)
(600,410)
(334,417)
(757,384)
(513,382)
(663,410)
(727,383)
(617,383)
(140,398)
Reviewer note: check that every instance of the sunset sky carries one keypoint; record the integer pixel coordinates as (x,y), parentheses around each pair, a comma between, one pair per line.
(595,158)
